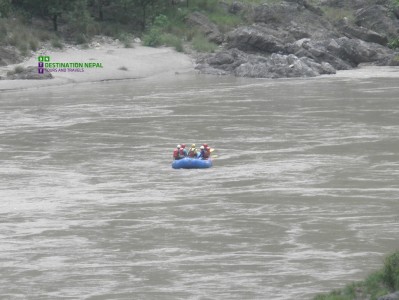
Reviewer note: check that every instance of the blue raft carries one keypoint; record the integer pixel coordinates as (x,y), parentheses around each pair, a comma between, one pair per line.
(191,163)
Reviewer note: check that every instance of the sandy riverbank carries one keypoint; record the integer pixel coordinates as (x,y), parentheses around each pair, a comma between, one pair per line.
(118,63)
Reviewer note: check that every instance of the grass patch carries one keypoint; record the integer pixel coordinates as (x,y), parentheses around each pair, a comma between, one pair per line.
(171,40)
(375,285)
(335,14)
(393,43)
(225,22)
(201,44)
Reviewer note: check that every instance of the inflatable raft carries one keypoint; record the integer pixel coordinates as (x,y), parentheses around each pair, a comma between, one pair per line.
(191,163)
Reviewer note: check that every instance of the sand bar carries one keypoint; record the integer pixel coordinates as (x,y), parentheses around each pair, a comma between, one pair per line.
(117,62)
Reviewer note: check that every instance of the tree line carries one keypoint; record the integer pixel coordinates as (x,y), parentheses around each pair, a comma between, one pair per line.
(137,13)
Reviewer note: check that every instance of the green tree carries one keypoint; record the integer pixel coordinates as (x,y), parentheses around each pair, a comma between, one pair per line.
(5,7)
(52,9)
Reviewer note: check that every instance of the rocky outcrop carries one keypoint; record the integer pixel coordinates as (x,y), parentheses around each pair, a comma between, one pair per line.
(28,73)
(393,296)
(276,65)
(257,39)
(294,39)
(202,22)
(379,19)
(362,33)
(295,16)
(342,53)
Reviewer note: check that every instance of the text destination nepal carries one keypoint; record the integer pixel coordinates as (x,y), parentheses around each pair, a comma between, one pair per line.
(73,65)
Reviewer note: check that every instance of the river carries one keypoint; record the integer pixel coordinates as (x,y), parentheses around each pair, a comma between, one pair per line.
(302,197)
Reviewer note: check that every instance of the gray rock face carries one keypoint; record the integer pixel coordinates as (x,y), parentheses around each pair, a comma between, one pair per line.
(255,39)
(236,7)
(393,296)
(276,65)
(206,26)
(286,66)
(353,31)
(342,53)
(379,19)
(293,39)
(295,16)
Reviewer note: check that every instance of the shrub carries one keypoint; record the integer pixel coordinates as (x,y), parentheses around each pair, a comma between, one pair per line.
(394,43)
(208,5)
(23,48)
(56,43)
(152,38)
(172,41)
(18,69)
(336,14)
(5,8)
(201,44)
(391,271)
(375,285)
(126,40)
(3,33)
(34,45)
(81,39)
(161,21)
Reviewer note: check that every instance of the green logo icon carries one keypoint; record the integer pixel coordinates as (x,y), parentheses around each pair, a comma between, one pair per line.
(44,58)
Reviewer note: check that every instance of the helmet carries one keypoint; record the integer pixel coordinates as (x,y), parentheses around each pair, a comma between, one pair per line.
(202,147)
(178,146)
(205,145)
(183,145)
(208,148)
(193,146)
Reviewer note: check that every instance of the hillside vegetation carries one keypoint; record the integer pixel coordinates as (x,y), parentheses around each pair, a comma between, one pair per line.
(267,28)
(376,284)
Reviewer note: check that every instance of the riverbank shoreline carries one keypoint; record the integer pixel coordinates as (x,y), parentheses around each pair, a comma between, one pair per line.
(139,62)
(116,63)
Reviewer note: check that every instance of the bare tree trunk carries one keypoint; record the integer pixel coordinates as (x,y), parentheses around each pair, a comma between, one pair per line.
(55,24)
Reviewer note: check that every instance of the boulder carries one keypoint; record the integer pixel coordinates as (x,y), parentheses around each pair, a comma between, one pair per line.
(202,22)
(342,53)
(282,66)
(255,39)
(393,296)
(357,51)
(367,35)
(236,7)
